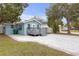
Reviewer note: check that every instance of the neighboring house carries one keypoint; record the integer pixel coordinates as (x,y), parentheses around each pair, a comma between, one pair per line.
(35,26)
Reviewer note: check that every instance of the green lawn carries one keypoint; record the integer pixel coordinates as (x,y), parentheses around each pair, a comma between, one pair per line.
(74,30)
(10,47)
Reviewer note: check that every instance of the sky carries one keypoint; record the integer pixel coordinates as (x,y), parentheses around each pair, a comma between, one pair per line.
(35,9)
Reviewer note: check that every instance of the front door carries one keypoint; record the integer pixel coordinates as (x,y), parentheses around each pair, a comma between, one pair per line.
(15,31)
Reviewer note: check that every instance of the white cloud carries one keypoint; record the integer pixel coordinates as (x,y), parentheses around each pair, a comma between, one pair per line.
(26,17)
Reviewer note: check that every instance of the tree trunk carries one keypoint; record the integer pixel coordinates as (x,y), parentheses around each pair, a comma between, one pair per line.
(69,27)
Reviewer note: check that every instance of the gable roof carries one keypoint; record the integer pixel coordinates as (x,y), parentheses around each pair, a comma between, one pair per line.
(35,18)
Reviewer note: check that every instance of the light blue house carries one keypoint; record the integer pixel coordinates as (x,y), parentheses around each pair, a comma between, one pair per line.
(33,26)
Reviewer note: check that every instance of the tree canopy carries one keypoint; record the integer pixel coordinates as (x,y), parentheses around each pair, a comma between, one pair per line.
(68,10)
(10,12)
(54,16)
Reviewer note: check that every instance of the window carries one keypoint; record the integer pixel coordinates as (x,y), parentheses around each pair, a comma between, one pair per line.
(20,26)
(12,26)
(28,26)
(38,26)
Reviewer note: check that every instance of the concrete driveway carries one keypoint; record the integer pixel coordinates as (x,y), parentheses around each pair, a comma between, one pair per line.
(66,43)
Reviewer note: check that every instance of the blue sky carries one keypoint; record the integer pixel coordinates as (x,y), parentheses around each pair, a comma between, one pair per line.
(35,9)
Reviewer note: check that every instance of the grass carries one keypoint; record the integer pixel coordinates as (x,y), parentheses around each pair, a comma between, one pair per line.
(74,30)
(9,47)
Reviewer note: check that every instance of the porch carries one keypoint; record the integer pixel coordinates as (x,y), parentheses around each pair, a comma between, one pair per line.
(37,31)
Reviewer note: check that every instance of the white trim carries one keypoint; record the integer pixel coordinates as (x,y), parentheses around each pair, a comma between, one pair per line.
(31,20)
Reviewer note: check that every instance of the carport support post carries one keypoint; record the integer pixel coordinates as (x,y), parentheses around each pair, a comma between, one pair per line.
(60,28)
(24,29)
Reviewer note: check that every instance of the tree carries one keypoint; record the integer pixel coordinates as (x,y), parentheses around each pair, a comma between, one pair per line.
(66,11)
(10,12)
(70,11)
(75,15)
(72,15)
(54,17)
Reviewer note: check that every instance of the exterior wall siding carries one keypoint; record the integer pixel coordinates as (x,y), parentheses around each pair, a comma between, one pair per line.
(8,30)
(31,25)
(21,31)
